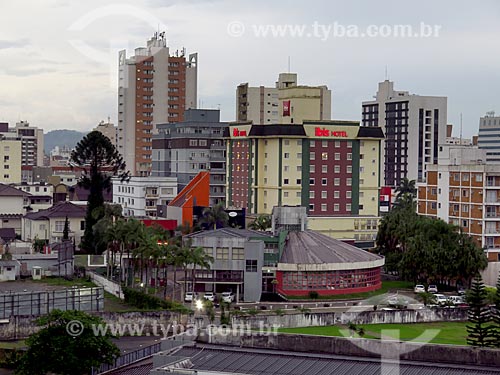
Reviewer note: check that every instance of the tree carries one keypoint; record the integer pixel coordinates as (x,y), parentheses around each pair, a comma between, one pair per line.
(99,161)
(480,331)
(496,316)
(66,229)
(67,345)
(406,189)
(214,217)
(262,223)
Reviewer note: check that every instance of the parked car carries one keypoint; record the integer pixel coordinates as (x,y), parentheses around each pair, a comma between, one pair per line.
(398,302)
(419,289)
(209,296)
(457,300)
(441,299)
(432,288)
(189,297)
(228,297)
(461,291)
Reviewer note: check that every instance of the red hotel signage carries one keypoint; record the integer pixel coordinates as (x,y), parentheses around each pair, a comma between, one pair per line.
(322,132)
(239,133)
(286,108)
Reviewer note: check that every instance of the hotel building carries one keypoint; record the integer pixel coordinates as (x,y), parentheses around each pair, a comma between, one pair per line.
(329,167)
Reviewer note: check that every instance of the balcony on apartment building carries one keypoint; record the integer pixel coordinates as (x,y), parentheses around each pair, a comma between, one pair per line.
(151,193)
(492,197)
(492,181)
(492,212)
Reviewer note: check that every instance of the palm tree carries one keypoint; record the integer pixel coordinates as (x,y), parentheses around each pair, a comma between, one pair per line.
(215,217)
(406,188)
(201,259)
(262,223)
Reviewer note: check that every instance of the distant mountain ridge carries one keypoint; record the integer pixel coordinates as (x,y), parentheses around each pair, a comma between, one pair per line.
(62,138)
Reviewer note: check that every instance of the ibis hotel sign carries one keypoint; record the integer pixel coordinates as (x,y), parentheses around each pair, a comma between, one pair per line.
(239,131)
(331,131)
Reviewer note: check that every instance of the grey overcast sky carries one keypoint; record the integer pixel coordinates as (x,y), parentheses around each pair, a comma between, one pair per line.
(59,59)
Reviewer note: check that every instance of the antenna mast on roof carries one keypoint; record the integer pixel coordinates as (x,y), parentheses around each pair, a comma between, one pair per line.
(460,128)
(289,64)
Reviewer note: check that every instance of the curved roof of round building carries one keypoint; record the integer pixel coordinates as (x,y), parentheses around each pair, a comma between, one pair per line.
(313,251)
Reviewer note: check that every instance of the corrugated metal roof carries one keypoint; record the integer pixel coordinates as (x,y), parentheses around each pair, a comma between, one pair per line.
(231,232)
(311,247)
(224,359)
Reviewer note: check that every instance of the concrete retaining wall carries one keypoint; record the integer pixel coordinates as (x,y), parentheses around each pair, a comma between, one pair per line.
(361,348)
(365,317)
(22,327)
(108,285)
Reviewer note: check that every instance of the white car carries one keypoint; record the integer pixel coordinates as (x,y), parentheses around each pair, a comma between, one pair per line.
(209,296)
(441,299)
(228,297)
(419,289)
(432,289)
(457,300)
(189,297)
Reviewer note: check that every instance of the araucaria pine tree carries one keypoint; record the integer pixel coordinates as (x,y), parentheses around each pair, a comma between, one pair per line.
(479,328)
(496,316)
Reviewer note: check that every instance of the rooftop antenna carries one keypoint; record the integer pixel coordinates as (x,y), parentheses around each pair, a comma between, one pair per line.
(289,64)
(386,74)
(460,128)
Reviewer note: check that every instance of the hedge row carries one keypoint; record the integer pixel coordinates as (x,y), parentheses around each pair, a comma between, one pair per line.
(145,301)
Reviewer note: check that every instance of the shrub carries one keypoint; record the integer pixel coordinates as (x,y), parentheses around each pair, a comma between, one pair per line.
(148,302)
(279,312)
(252,311)
(313,294)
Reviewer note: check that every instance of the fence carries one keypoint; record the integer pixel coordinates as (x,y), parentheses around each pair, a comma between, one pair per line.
(42,303)
(128,358)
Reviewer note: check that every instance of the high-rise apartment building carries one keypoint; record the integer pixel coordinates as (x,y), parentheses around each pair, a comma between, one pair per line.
(329,167)
(286,103)
(413,125)
(154,87)
(196,144)
(464,190)
(489,136)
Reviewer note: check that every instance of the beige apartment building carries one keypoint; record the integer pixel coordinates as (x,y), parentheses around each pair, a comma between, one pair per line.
(109,130)
(10,161)
(155,87)
(286,103)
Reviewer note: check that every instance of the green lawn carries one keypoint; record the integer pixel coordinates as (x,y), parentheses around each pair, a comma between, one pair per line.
(59,281)
(453,333)
(386,287)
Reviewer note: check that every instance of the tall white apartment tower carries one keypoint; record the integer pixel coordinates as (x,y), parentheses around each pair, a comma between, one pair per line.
(414,126)
(154,87)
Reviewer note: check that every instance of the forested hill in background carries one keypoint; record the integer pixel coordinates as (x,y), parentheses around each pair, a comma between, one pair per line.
(62,138)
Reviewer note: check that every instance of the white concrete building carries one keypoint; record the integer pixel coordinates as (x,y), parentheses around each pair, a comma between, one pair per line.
(489,136)
(140,196)
(413,125)
(41,195)
(154,87)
